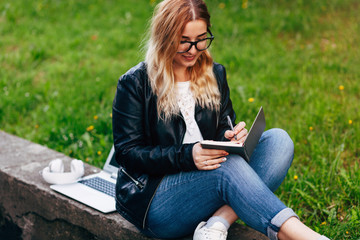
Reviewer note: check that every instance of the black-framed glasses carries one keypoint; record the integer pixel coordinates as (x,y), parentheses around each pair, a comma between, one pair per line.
(200,45)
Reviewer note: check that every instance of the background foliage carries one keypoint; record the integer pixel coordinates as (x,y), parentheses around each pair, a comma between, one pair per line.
(60,61)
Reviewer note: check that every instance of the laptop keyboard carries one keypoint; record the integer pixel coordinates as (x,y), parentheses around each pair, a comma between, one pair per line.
(101,185)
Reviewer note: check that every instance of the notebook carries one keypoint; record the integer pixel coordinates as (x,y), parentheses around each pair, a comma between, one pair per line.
(247,148)
(95,190)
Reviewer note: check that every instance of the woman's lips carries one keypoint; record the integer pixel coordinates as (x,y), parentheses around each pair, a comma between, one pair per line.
(189,58)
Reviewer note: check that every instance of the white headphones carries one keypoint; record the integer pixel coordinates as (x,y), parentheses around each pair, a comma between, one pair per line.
(54,173)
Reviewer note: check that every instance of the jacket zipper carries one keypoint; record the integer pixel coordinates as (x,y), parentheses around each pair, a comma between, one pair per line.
(137,183)
(148,207)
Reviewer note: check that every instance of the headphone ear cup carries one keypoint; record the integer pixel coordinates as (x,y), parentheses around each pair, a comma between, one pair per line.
(77,166)
(56,166)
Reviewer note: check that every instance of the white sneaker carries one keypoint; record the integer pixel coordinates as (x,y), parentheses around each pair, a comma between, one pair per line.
(216,232)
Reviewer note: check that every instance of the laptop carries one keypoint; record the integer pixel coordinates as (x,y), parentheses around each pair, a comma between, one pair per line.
(95,190)
(246,149)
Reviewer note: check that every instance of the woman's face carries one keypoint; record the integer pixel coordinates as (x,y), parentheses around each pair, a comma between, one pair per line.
(194,30)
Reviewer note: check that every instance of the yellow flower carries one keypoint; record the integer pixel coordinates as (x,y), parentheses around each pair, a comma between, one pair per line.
(251,100)
(37,126)
(96,117)
(350,121)
(111,115)
(90,128)
(341,87)
(296,177)
(99,152)
(347,232)
(311,128)
(323,223)
(244,4)
(222,5)
(87,159)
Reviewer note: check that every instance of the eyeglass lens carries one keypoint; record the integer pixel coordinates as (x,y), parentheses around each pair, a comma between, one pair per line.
(200,45)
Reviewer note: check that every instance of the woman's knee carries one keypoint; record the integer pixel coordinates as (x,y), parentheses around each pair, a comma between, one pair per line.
(279,138)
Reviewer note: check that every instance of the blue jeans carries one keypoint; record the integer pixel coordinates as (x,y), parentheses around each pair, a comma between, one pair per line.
(185,199)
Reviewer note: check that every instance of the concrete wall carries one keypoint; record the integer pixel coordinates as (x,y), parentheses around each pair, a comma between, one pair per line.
(29,209)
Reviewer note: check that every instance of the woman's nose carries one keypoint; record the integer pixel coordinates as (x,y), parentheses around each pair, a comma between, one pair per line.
(193,50)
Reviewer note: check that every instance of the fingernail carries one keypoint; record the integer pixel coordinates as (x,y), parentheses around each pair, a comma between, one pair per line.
(224,159)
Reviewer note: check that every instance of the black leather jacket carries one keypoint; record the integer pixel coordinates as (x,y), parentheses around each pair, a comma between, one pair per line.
(147,148)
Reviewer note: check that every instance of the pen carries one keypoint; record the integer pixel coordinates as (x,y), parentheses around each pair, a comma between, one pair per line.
(231,126)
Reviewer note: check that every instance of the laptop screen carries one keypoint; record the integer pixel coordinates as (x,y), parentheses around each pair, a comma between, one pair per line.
(113,162)
(111,165)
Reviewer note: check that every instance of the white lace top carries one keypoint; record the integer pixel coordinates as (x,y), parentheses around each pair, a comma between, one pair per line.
(186,104)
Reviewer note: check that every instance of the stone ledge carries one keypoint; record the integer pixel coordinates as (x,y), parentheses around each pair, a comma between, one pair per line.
(29,206)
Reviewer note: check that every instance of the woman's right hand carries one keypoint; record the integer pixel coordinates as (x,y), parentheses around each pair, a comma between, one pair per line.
(208,159)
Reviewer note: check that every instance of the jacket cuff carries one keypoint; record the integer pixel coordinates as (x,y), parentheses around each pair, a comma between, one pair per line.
(189,161)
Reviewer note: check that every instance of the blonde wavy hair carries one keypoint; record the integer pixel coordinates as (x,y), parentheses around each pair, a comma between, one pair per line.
(167,26)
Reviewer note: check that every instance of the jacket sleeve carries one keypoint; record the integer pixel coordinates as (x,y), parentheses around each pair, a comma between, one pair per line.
(134,150)
(226,108)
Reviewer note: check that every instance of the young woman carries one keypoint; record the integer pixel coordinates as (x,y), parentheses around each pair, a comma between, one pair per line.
(168,185)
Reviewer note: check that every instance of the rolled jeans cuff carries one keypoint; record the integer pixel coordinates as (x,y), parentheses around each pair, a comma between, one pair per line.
(278,221)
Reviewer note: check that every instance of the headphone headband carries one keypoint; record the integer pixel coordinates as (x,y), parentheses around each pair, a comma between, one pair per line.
(54,173)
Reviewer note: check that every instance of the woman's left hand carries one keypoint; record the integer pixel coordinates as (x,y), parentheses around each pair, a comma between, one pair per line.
(240,133)
(208,159)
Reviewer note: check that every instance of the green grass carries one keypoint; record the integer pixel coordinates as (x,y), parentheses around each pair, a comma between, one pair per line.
(60,61)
